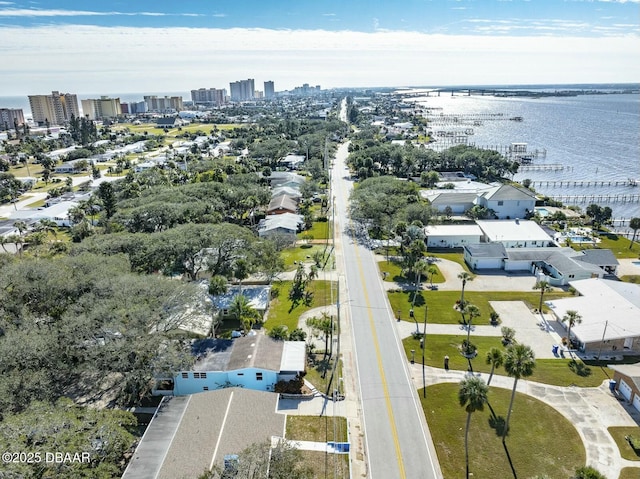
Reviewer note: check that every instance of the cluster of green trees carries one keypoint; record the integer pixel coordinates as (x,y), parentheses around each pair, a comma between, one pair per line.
(370,156)
(85,327)
(383,203)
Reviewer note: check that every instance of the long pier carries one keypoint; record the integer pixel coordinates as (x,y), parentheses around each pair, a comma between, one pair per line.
(547,167)
(620,198)
(587,183)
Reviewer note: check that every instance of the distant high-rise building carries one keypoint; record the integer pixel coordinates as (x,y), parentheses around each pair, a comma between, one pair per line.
(10,117)
(104,107)
(242,90)
(269,90)
(209,96)
(163,104)
(56,109)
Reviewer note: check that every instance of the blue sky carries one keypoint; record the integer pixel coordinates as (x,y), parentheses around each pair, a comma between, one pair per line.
(141,45)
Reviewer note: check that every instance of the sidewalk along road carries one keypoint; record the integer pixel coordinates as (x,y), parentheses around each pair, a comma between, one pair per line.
(398,443)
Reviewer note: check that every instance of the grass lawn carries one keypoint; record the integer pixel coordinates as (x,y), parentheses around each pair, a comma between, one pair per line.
(626,451)
(395,273)
(320,230)
(455,257)
(326,465)
(629,473)
(540,441)
(300,253)
(631,278)
(316,428)
(618,244)
(548,371)
(441,303)
(318,366)
(283,311)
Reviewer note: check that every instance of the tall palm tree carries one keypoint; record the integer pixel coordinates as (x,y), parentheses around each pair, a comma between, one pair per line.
(464,276)
(519,362)
(241,309)
(571,318)
(420,269)
(432,271)
(544,287)
(473,312)
(472,396)
(495,357)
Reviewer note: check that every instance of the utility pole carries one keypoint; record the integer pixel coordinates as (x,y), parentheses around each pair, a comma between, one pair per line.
(606,323)
(423,340)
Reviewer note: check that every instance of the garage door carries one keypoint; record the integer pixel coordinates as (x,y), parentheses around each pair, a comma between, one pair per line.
(636,402)
(625,390)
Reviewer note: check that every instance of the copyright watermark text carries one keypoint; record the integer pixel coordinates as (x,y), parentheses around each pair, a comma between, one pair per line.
(9,457)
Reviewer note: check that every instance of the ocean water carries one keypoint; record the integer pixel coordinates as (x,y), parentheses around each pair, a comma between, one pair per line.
(594,138)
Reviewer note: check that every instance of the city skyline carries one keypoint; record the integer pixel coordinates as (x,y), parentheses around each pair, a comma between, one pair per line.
(163,46)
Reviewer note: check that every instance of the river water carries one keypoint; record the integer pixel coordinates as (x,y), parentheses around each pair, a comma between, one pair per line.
(592,137)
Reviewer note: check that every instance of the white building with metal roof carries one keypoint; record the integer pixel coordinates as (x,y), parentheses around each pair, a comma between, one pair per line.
(610,312)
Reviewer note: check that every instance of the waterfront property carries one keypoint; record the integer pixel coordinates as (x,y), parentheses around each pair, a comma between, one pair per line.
(514,233)
(506,201)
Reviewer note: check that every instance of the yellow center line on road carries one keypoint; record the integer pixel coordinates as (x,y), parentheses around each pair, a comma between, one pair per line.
(376,344)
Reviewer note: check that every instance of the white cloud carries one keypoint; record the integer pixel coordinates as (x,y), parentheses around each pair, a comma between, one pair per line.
(89,59)
(37,12)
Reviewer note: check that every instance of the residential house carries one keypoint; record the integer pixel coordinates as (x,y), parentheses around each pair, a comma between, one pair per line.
(258,297)
(458,202)
(610,316)
(170,122)
(515,233)
(285,224)
(627,382)
(285,178)
(508,202)
(290,191)
(282,204)
(452,236)
(73,166)
(558,266)
(292,162)
(255,362)
(485,255)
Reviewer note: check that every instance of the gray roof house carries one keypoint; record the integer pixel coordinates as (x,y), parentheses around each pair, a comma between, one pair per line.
(287,224)
(258,296)
(282,204)
(255,361)
(508,202)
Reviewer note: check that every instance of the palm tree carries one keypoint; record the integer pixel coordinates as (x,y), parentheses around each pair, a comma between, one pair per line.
(571,318)
(420,268)
(464,276)
(634,224)
(519,362)
(473,312)
(544,287)
(472,396)
(241,309)
(432,271)
(495,357)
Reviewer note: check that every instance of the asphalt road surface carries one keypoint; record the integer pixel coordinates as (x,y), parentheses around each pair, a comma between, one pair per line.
(396,435)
